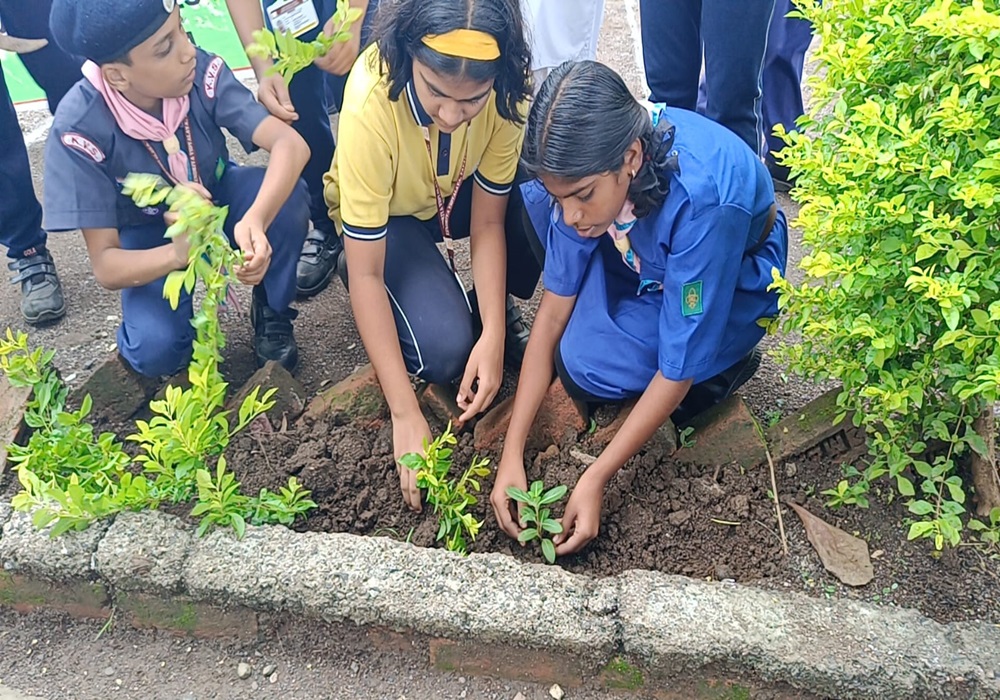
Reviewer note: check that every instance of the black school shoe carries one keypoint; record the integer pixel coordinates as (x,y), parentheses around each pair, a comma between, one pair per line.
(708,393)
(41,292)
(317,262)
(273,338)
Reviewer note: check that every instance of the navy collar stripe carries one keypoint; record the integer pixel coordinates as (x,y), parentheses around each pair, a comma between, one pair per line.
(420,115)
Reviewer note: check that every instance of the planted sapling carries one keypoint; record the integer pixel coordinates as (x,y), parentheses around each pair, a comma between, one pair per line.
(291,55)
(537,515)
(451,498)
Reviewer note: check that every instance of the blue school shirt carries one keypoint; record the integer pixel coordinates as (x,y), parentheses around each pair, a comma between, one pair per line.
(694,243)
(87,155)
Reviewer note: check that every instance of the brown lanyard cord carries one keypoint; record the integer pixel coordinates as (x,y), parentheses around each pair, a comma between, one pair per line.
(192,156)
(444,213)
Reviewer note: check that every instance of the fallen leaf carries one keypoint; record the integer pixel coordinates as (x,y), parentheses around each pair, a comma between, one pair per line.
(843,555)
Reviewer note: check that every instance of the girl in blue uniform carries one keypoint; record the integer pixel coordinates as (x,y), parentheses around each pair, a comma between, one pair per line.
(660,235)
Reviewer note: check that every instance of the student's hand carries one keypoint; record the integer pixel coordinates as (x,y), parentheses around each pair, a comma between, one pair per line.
(582,519)
(252,240)
(341,57)
(408,435)
(509,473)
(273,94)
(485,365)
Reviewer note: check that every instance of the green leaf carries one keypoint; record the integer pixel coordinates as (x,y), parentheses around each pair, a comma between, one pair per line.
(549,551)
(920,507)
(904,486)
(552,526)
(554,494)
(527,535)
(517,494)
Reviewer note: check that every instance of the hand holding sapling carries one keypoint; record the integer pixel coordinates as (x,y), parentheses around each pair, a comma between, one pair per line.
(536,515)
(582,519)
(510,475)
(409,436)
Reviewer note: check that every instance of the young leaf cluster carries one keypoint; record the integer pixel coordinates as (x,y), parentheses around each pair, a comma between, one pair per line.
(70,477)
(291,55)
(898,172)
(537,515)
(452,498)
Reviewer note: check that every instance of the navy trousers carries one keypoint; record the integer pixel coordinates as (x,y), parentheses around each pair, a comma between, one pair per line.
(311,91)
(732,34)
(436,320)
(56,72)
(156,339)
(787,43)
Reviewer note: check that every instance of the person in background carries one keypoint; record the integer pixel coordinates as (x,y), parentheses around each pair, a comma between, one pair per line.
(430,135)
(787,43)
(152,102)
(304,103)
(21,230)
(730,37)
(560,31)
(660,235)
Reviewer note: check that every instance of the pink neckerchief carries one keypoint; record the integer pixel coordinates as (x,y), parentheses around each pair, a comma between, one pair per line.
(145,127)
(619,230)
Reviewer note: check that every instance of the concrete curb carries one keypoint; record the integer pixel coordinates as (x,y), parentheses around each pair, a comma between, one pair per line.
(674,629)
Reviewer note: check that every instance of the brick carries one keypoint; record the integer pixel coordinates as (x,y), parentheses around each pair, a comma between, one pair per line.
(480,658)
(116,389)
(13,400)
(438,402)
(724,434)
(183,616)
(289,400)
(358,396)
(560,421)
(88,599)
(806,428)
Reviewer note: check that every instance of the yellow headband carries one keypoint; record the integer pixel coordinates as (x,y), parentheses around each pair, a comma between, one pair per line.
(464,43)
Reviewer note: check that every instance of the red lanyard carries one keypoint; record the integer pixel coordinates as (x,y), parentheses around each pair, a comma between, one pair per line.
(192,156)
(444,213)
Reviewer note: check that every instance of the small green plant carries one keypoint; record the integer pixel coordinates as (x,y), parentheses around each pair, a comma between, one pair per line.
(69,477)
(537,515)
(451,498)
(989,532)
(620,674)
(847,492)
(684,437)
(773,417)
(291,55)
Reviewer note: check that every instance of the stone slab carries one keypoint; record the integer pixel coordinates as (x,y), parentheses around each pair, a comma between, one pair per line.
(145,552)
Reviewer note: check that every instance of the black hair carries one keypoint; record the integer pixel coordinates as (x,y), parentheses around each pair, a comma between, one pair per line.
(402,24)
(583,121)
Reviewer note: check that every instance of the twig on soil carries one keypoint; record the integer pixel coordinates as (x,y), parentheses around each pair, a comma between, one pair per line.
(719,521)
(107,625)
(774,484)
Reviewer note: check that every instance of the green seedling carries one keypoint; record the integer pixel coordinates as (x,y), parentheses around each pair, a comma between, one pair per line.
(291,55)
(451,498)
(71,477)
(989,532)
(684,437)
(537,515)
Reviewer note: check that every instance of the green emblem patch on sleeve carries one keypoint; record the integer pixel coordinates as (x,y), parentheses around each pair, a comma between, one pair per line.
(691,302)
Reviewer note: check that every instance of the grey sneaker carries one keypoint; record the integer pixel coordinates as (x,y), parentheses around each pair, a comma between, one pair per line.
(41,293)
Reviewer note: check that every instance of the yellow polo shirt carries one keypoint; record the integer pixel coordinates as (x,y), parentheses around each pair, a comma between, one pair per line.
(381,167)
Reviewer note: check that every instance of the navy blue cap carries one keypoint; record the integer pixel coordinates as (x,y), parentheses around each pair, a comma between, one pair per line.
(103,30)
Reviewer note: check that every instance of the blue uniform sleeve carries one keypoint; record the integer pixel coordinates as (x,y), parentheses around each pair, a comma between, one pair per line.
(232,105)
(699,287)
(79,190)
(566,252)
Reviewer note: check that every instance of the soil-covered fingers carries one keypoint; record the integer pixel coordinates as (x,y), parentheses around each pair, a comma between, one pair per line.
(408,486)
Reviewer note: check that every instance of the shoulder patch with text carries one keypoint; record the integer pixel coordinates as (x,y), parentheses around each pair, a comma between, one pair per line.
(212,77)
(84,145)
(691,301)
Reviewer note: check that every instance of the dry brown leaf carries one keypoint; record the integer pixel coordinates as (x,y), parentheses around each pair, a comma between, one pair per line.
(843,555)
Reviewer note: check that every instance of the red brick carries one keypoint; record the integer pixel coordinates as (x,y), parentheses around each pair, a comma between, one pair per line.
(560,421)
(117,391)
(12,428)
(439,401)
(85,599)
(188,617)
(808,427)
(724,434)
(512,663)
(289,399)
(358,396)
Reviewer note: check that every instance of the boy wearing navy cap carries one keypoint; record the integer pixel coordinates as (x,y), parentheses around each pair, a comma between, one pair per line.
(152,102)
